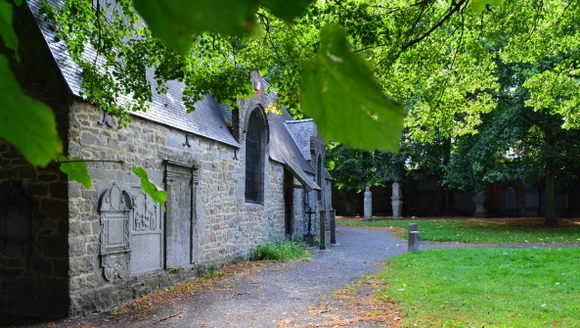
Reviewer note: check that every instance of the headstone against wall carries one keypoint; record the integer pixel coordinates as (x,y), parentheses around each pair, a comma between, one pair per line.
(479,201)
(510,203)
(180,227)
(368,204)
(146,233)
(532,197)
(114,208)
(397,200)
(531,201)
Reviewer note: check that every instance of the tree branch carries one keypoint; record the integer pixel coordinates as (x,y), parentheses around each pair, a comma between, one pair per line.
(455,7)
(452,62)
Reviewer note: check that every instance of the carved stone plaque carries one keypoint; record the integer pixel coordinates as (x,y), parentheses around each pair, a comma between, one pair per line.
(146,233)
(114,208)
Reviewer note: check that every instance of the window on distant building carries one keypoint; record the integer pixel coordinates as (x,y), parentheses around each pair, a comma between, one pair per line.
(255,156)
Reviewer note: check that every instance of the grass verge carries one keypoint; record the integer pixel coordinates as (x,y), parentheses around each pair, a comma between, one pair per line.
(486,287)
(283,251)
(481,231)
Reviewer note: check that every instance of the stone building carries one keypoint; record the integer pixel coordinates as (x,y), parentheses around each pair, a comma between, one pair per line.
(234,179)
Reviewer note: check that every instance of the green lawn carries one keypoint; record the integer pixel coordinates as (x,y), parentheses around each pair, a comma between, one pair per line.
(486,287)
(480,231)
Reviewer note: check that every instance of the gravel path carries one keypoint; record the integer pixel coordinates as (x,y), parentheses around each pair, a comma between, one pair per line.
(273,293)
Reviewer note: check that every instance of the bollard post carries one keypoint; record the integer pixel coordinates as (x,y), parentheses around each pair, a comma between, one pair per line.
(414,237)
(322,228)
(333,227)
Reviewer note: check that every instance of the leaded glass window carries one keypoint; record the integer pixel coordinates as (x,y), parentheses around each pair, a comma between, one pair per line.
(255,148)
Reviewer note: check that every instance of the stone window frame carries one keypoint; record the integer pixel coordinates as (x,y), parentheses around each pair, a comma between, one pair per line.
(170,174)
(256,164)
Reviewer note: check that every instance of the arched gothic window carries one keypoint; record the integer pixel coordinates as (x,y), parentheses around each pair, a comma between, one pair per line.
(255,149)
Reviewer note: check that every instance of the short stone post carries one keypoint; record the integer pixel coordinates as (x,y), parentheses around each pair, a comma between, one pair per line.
(333,226)
(322,229)
(414,237)
(368,204)
(397,200)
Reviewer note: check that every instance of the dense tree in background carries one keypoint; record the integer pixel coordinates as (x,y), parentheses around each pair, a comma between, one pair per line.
(445,61)
(357,169)
(524,123)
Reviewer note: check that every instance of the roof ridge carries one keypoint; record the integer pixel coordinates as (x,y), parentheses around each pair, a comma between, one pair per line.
(303,120)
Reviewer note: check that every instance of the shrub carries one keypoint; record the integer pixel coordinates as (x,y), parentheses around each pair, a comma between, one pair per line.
(283,251)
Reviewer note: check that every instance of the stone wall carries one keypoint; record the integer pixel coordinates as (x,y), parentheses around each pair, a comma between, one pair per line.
(225,228)
(299,218)
(33,206)
(33,248)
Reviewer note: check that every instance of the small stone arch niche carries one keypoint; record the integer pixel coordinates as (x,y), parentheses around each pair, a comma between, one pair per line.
(114,208)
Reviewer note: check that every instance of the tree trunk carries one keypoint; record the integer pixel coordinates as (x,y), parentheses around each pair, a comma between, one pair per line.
(550,201)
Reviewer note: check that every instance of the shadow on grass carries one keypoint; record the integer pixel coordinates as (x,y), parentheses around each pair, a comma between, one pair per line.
(471,230)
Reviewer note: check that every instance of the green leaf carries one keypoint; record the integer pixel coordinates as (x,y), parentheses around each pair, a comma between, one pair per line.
(6,31)
(344,99)
(27,124)
(76,169)
(175,21)
(480,5)
(148,187)
(286,10)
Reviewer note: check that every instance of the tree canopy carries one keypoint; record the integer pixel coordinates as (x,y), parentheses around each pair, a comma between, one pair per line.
(348,64)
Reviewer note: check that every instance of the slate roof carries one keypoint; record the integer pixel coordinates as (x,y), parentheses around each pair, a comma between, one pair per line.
(206,121)
(326,174)
(289,139)
(283,149)
(301,131)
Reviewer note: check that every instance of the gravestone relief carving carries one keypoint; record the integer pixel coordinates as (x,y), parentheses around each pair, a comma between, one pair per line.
(146,233)
(114,207)
(114,266)
(145,214)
